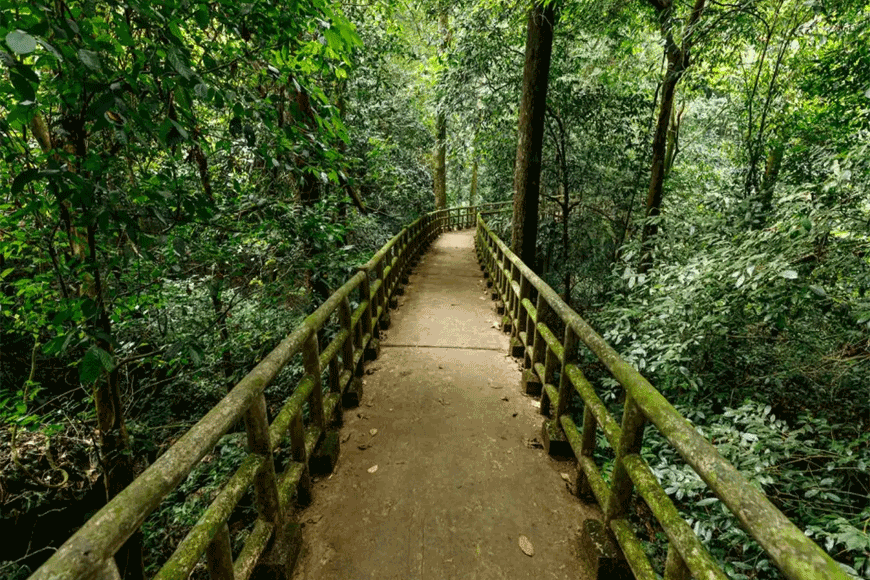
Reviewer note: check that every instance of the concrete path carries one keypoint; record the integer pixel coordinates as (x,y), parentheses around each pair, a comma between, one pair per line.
(452,477)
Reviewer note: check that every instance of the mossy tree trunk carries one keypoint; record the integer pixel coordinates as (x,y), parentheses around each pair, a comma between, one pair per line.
(533,106)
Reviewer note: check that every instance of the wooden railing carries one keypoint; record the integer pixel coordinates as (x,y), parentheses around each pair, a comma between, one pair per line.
(89,553)
(530,308)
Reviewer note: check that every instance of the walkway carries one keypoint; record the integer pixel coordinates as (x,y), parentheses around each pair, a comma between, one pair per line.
(439,475)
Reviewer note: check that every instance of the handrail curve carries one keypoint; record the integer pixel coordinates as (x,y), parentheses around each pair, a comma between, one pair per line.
(514,283)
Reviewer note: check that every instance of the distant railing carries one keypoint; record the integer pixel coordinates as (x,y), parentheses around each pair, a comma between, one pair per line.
(90,552)
(528,304)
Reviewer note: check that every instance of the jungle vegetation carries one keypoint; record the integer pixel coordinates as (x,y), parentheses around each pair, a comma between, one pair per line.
(182,181)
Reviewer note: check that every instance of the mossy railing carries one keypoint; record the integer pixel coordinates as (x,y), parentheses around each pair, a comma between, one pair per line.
(530,308)
(89,553)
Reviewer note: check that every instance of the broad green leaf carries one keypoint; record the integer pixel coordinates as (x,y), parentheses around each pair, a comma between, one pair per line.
(91,366)
(20,42)
(89,58)
(789,274)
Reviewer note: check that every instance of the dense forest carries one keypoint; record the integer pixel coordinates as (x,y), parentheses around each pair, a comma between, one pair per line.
(184,181)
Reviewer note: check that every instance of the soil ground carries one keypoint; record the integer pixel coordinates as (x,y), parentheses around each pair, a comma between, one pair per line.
(453,475)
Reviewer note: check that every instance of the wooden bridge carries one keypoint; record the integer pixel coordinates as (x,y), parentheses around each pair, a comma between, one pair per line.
(439,475)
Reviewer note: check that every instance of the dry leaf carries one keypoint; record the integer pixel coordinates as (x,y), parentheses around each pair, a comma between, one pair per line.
(526,546)
(566,477)
(373,468)
(345,437)
(373,432)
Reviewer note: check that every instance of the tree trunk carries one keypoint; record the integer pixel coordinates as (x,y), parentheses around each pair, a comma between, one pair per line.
(768,183)
(658,169)
(527,172)
(472,195)
(115,452)
(441,161)
(678,61)
(441,122)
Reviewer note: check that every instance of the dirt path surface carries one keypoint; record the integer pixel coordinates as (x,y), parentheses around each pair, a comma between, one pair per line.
(452,477)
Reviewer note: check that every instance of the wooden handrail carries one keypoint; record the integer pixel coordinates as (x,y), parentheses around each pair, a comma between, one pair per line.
(89,553)
(796,555)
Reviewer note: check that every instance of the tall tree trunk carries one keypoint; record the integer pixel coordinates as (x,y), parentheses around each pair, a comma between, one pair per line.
(441,161)
(441,121)
(566,239)
(658,169)
(768,182)
(115,451)
(533,106)
(678,60)
(472,194)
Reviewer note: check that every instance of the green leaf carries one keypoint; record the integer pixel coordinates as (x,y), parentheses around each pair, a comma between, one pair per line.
(20,42)
(89,58)
(106,359)
(90,367)
(789,274)
(202,16)
(22,86)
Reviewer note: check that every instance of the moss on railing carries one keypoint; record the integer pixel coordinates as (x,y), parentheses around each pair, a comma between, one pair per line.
(89,553)
(797,556)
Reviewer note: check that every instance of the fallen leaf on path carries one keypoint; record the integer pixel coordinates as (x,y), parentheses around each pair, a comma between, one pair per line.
(566,477)
(373,432)
(505,399)
(526,546)
(314,519)
(443,402)
(494,387)
(345,437)
(363,446)
(373,468)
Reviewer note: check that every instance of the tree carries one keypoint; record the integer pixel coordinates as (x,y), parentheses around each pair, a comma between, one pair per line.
(533,107)
(440,177)
(677,54)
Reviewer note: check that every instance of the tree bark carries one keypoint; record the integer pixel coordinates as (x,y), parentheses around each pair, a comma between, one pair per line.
(472,195)
(441,161)
(440,185)
(533,106)
(658,169)
(678,62)
(768,183)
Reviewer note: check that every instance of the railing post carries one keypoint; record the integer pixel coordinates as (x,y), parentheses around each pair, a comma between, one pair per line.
(536,349)
(352,341)
(109,571)
(219,555)
(297,451)
(382,305)
(265,483)
(367,327)
(675,566)
(350,388)
(569,356)
(311,364)
(630,442)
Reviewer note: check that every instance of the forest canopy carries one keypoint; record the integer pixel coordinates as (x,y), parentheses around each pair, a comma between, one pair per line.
(184,181)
